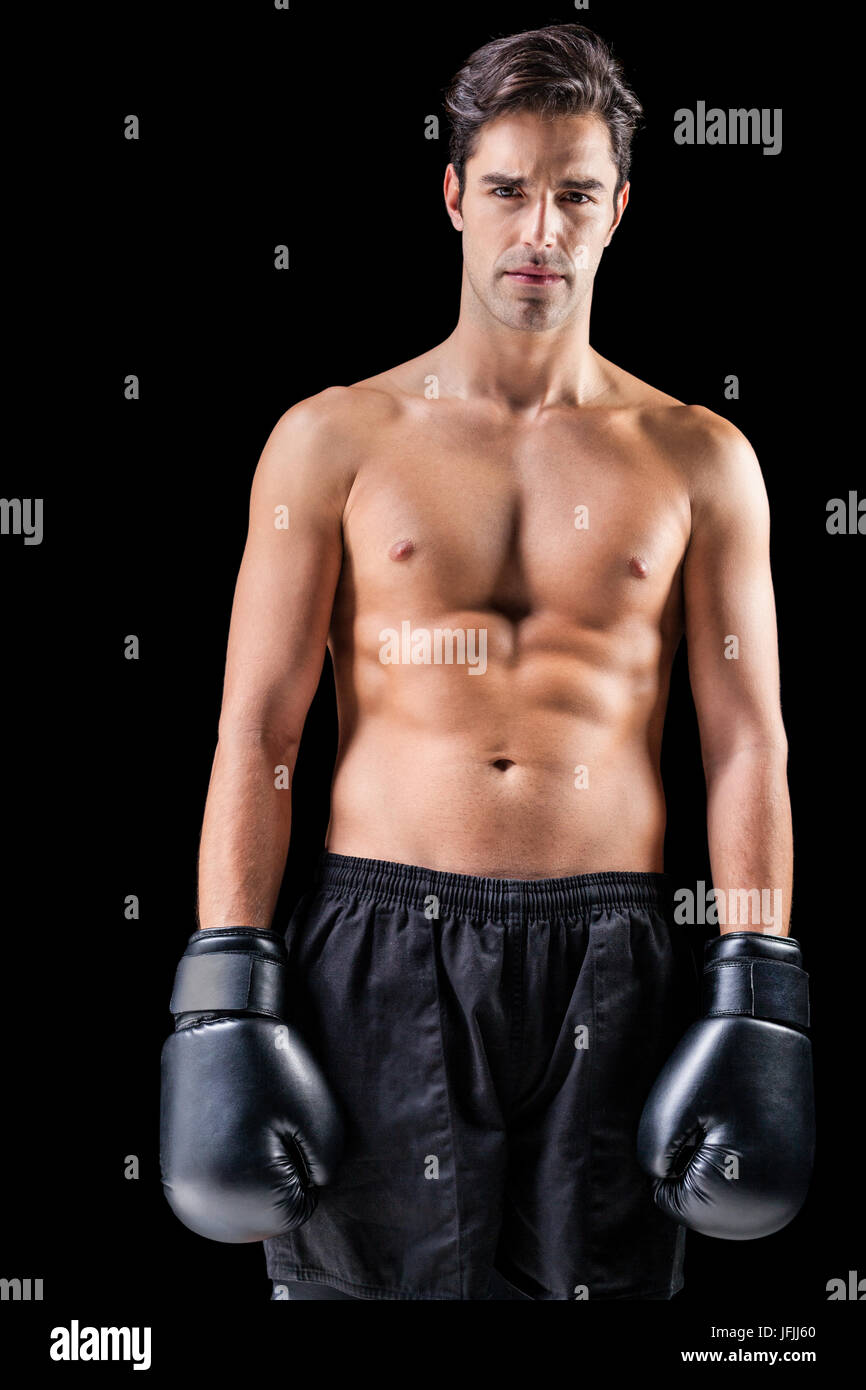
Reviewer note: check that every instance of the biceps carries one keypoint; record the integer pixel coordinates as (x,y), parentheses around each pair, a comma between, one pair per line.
(279,628)
(732,642)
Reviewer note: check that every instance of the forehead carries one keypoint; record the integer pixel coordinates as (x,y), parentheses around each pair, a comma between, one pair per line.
(527,143)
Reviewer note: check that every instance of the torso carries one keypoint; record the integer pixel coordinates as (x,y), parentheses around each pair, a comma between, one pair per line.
(546,762)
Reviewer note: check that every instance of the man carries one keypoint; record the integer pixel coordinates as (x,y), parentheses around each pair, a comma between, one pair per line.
(502,543)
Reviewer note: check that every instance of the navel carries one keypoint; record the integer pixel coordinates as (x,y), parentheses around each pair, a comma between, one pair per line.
(401,550)
(638,567)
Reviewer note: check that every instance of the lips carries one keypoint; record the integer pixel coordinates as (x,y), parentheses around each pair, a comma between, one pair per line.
(538,274)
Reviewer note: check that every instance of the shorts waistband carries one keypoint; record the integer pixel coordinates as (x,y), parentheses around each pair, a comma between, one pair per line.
(493,899)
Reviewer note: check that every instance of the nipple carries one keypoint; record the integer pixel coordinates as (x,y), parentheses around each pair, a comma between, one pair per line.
(401,550)
(638,567)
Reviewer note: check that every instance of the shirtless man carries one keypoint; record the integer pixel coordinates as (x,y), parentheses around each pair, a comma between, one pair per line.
(501,543)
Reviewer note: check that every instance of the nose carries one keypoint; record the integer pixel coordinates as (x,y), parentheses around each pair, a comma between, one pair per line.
(540,223)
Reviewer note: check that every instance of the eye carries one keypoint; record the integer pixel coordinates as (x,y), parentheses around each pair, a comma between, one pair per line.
(573,194)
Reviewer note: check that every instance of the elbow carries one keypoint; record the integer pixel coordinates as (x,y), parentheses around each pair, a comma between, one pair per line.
(234,735)
(770,751)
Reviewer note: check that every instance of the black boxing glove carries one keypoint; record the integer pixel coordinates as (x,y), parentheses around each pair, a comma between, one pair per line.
(248,1127)
(728,1130)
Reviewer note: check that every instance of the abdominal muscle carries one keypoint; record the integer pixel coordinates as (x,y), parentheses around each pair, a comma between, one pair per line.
(545,765)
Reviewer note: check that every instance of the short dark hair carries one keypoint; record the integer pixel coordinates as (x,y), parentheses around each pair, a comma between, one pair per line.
(562,70)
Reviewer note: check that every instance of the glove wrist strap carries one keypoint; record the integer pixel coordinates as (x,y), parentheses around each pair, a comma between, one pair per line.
(757,988)
(235,973)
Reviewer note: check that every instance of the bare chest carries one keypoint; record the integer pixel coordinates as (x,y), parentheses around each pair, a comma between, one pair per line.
(586,524)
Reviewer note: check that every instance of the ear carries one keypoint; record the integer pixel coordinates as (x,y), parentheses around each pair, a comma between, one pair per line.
(621,205)
(451,190)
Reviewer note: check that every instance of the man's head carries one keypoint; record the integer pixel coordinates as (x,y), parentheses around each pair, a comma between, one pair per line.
(541,131)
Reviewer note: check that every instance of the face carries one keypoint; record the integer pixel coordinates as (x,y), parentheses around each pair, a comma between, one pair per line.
(538,197)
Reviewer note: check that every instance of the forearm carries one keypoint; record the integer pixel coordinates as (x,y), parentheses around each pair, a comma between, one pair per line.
(750,839)
(245,834)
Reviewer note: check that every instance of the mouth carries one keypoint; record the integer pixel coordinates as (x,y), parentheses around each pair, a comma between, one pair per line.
(527,277)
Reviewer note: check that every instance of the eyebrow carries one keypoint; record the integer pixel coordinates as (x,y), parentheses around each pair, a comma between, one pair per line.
(584,185)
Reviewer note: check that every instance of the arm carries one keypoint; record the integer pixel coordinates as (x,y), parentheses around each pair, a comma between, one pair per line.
(249,1127)
(277,639)
(728,1130)
(730,628)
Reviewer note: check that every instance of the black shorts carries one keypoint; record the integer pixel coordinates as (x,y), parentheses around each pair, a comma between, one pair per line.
(491,1042)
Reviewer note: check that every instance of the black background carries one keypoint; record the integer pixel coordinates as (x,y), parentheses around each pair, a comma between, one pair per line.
(306,127)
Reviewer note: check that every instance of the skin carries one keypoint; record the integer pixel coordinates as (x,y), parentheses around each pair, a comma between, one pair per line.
(458,511)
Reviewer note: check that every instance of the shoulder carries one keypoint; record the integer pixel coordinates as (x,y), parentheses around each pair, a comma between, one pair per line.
(717,467)
(317,444)
(332,416)
(343,416)
(719,463)
(706,445)
(699,429)
(720,472)
(690,432)
(710,454)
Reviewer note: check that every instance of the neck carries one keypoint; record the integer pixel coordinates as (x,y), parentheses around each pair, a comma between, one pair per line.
(524,370)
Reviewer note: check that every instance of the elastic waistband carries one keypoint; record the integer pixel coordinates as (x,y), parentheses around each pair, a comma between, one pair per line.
(492,899)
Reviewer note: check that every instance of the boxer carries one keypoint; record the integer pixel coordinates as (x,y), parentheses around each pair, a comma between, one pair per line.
(456,1074)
